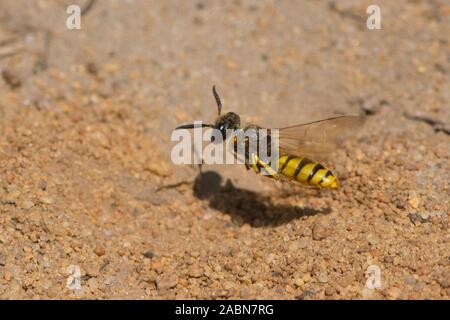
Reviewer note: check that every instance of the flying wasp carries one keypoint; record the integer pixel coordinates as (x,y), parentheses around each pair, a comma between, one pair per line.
(296,145)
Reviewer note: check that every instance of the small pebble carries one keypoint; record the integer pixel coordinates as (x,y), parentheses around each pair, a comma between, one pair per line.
(299,282)
(228,285)
(444,281)
(149,254)
(11,79)
(7,276)
(384,198)
(99,251)
(417,157)
(46,200)
(329,291)
(414,202)
(92,283)
(393,293)
(323,278)
(392,175)
(92,270)
(27,204)
(47,284)
(166,282)
(42,185)
(302,243)
(195,272)
(306,278)
(410,280)
(108,281)
(319,231)
(373,239)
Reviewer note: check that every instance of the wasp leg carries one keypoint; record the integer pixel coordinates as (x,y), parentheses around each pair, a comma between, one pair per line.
(254,163)
(269,169)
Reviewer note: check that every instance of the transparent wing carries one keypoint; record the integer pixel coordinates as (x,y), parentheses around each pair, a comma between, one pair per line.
(319,137)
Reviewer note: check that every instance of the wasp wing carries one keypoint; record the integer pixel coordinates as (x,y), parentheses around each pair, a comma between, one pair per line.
(319,137)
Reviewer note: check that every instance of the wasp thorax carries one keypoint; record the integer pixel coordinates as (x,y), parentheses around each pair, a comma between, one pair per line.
(229,120)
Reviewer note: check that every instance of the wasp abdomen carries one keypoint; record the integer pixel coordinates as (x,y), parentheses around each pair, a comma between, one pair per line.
(306,171)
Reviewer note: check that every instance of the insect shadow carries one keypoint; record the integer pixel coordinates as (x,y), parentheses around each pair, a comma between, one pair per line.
(244,205)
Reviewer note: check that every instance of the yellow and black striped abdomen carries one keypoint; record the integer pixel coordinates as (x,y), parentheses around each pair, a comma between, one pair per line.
(306,171)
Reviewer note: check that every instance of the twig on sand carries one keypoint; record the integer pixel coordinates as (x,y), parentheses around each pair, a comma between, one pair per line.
(87,7)
(435,123)
(41,63)
(173,185)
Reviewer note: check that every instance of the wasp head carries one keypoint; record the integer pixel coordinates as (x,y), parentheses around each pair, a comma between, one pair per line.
(229,120)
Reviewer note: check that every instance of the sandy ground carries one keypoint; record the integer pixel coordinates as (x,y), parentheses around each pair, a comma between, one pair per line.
(85,122)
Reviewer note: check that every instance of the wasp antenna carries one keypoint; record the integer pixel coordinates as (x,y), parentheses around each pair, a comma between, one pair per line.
(192,126)
(216,96)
